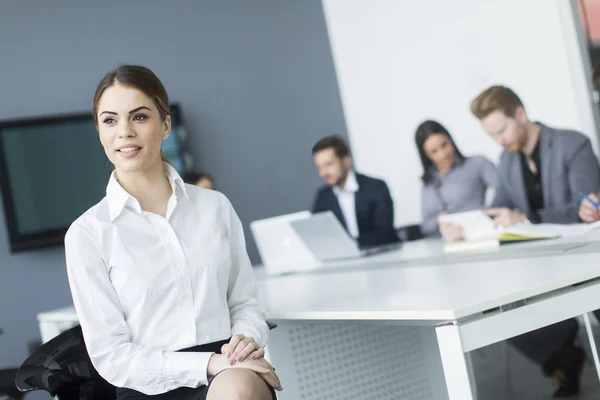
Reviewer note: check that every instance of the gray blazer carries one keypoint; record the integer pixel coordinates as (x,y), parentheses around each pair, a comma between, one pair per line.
(569,166)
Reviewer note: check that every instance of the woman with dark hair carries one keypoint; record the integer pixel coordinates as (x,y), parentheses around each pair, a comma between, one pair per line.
(158,269)
(451,182)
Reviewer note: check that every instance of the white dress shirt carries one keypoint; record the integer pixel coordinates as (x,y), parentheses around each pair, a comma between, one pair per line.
(346,200)
(145,286)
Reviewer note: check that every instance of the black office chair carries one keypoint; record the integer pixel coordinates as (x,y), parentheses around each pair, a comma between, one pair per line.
(62,367)
(409,233)
(8,389)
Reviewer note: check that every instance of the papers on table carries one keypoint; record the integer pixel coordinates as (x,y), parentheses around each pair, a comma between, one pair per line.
(479,231)
(475,224)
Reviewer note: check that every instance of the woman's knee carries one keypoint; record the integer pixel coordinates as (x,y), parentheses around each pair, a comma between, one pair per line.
(238,384)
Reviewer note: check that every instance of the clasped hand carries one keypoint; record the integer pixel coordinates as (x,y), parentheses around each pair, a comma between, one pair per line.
(243,352)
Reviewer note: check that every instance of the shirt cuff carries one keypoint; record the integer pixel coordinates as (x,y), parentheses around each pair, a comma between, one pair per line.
(189,368)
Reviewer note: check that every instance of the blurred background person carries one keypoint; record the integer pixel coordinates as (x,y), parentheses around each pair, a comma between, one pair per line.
(199,179)
(362,204)
(451,182)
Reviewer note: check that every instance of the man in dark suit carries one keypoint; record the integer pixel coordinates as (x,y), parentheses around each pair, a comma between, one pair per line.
(362,204)
(541,172)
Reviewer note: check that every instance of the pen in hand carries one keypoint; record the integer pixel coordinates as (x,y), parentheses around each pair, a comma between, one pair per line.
(585,197)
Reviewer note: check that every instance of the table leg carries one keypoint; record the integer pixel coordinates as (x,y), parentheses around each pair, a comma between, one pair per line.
(588,327)
(456,371)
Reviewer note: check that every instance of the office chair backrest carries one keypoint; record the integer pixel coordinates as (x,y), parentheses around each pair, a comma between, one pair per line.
(8,389)
(63,368)
(409,232)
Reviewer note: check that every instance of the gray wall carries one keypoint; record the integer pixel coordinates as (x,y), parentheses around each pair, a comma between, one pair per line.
(255,79)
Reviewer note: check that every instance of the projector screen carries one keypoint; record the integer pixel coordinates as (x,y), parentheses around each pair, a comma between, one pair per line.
(399,62)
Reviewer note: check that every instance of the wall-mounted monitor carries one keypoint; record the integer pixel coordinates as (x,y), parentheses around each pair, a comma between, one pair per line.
(52,169)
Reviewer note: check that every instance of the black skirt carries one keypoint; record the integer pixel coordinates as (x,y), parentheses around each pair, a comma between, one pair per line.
(182,393)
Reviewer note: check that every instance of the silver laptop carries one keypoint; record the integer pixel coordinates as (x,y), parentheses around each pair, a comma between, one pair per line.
(279,245)
(326,238)
(302,241)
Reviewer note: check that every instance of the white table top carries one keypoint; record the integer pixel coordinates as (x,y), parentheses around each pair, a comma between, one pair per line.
(431,251)
(420,283)
(427,292)
(421,249)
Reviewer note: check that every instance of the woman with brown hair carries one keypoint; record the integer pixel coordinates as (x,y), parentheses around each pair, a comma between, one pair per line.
(451,182)
(158,269)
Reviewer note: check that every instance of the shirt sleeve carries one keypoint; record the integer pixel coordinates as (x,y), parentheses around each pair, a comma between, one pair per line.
(501,198)
(489,174)
(430,208)
(382,214)
(247,317)
(583,176)
(149,370)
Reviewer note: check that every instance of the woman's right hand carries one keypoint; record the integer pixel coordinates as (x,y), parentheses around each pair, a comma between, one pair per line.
(451,232)
(219,362)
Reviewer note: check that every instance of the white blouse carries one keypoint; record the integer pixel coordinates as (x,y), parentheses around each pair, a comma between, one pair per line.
(145,286)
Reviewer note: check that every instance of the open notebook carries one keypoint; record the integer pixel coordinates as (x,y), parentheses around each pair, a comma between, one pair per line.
(480,234)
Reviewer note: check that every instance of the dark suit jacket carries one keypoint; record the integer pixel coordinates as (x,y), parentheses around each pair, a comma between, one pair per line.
(374,210)
(569,166)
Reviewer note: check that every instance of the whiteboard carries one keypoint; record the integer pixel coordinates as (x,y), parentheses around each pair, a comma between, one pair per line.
(399,62)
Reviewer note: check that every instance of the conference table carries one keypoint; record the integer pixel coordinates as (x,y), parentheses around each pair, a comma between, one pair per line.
(400,325)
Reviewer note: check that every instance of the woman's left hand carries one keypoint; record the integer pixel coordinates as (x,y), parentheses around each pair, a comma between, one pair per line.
(241,347)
